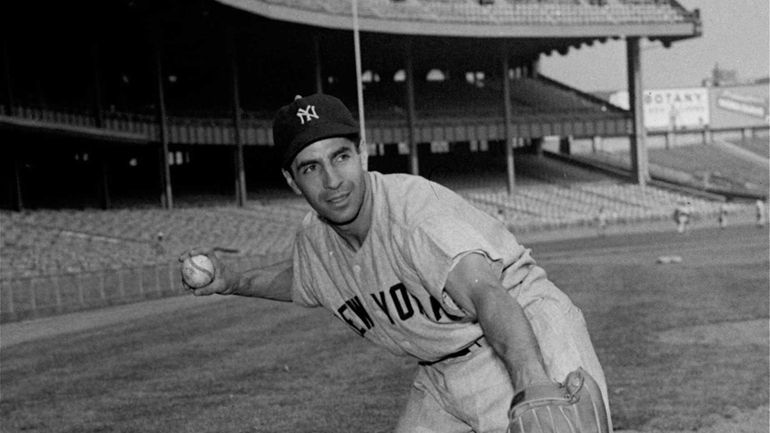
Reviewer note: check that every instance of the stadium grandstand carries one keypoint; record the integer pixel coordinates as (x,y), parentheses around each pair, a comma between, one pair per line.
(134,129)
(717,167)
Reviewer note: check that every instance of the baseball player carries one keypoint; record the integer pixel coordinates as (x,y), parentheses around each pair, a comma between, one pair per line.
(761,217)
(682,216)
(414,268)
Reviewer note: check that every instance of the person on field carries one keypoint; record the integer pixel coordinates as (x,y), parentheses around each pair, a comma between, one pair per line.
(761,213)
(412,267)
(682,215)
(602,221)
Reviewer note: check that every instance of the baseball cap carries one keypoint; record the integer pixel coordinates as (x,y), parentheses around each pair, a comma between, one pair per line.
(309,119)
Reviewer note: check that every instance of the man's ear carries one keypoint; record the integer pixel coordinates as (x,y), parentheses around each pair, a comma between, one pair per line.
(290,180)
(363,152)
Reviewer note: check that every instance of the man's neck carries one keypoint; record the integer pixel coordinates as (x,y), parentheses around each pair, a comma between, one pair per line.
(354,234)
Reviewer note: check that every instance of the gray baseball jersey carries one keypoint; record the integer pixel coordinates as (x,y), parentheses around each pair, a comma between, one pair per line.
(391,290)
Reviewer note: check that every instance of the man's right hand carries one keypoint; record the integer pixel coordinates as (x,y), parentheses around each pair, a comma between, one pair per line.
(224,279)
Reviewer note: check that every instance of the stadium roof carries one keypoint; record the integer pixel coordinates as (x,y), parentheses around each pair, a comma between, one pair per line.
(664,19)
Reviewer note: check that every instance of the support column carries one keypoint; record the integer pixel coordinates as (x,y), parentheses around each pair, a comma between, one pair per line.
(639,166)
(534,68)
(565,145)
(670,139)
(414,162)
(101,157)
(18,198)
(7,79)
(107,200)
(746,135)
(706,133)
(97,107)
(98,111)
(508,115)
(596,143)
(240,171)
(167,199)
(537,146)
(319,84)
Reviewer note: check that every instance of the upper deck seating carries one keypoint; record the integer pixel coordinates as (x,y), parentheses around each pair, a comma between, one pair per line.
(458,98)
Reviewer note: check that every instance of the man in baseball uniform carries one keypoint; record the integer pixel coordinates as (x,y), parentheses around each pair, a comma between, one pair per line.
(414,268)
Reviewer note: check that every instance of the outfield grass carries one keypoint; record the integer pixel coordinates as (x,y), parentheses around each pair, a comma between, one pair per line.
(244,365)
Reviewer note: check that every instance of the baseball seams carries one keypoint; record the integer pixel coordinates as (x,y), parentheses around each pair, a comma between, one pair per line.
(198,271)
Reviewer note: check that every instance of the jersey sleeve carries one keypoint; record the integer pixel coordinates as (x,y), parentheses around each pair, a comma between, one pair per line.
(437,244)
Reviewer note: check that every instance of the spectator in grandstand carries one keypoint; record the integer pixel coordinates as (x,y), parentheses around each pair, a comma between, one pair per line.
(501,215)
(411,266)
(761,213)
(158,244)
(722,217)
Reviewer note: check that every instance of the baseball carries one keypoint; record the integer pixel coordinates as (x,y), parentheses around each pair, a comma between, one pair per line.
(198,271)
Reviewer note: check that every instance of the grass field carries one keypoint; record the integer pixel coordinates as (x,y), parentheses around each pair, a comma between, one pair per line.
(684,346)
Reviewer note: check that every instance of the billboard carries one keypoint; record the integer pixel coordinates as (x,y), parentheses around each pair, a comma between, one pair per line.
(671,109)
(739,106)
(676,109)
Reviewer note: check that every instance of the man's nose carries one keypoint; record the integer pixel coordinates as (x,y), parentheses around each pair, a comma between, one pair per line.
(332,179)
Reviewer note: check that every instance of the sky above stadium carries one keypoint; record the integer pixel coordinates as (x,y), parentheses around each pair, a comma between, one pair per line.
(735,35)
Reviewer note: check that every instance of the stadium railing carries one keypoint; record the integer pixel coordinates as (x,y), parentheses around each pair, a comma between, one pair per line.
(47,295)
(47,242)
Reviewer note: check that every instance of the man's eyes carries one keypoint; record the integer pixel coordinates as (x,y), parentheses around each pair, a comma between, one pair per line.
(343,156)
(308,169)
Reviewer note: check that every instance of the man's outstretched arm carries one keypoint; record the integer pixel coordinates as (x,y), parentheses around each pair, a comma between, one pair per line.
(270,282)
(475,287)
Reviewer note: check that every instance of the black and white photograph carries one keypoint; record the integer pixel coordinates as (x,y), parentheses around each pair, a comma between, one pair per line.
(409,216)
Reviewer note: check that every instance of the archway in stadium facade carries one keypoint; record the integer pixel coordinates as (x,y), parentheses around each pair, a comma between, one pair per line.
(149,83)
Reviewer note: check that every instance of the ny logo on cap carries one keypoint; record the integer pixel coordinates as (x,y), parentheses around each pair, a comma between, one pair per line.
(307,114)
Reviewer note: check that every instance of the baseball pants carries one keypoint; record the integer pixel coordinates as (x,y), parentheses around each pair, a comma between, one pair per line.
(473,393)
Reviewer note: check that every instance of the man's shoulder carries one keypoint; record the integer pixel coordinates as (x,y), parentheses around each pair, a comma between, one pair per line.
(407,200)
(406,186)
(310,223)
(397,180)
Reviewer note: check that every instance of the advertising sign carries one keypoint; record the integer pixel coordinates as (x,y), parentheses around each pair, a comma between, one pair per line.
(676,109)
(739,106)
(670,109)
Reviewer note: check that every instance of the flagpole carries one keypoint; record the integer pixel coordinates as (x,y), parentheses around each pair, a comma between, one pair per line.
(359,85)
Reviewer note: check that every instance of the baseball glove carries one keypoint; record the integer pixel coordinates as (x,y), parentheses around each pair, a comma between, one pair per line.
(576,406)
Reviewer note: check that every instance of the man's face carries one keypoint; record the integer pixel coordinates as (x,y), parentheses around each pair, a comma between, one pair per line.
(330,175)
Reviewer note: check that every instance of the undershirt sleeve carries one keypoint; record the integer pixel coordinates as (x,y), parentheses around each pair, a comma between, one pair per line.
(301,292)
